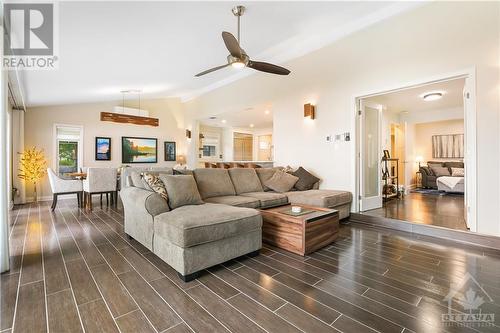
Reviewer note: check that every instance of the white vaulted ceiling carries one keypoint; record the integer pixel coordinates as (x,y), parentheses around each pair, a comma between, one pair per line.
(158,47)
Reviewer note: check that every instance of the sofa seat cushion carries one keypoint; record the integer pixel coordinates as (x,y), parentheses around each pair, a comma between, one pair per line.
(235,200)
(189,226)
(319,198)
(268,199)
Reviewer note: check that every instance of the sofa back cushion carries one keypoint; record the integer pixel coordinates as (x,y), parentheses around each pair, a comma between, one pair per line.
(214,182)
(245,180)
(182,190)
(265,174)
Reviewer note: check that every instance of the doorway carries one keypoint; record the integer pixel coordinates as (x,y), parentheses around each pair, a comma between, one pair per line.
(416,153)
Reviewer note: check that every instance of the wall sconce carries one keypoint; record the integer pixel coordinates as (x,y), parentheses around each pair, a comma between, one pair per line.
(188,134)
(309,111)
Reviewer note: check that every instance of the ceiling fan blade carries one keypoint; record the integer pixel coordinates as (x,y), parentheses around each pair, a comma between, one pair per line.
(269,68)
(232,44)
(211,70)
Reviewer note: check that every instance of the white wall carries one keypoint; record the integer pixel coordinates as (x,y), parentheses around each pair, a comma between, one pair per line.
(39,126)
(434,39)
(425,131)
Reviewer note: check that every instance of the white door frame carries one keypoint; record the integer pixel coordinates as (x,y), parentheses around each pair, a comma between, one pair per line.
(470,132)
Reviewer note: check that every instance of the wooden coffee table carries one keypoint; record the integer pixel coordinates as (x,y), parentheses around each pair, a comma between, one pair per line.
(301,234)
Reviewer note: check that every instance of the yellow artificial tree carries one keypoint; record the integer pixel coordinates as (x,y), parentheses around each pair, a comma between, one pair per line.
(33,167)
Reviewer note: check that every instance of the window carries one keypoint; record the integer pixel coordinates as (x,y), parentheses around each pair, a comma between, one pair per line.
(68,149)
(209,151)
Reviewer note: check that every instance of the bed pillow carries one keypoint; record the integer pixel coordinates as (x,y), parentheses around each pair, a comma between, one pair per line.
(457,172)
(281,181)
(440,171)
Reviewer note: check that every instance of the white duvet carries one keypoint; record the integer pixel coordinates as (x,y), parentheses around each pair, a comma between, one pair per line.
(450,184)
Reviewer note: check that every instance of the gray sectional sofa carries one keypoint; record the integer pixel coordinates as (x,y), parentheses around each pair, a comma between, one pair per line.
(225,226)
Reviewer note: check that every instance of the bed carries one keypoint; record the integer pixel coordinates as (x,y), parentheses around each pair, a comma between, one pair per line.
(451,184)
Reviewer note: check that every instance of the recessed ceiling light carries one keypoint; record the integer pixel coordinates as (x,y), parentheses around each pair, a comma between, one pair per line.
(266,112)
(432,96)
(223,121)
(213,117)
(252,125)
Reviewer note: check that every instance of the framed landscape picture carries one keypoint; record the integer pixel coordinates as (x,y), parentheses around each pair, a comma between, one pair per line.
(102,149)
(170,153)
(139,150)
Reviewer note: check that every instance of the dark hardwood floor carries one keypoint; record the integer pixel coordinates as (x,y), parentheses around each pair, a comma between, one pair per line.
(75,271)
(439,210)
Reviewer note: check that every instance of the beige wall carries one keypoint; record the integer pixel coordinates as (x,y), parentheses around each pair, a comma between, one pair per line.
(39,127)
(425,131)
(434,39)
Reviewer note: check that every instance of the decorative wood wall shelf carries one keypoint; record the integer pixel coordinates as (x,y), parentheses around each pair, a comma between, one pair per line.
(128,119)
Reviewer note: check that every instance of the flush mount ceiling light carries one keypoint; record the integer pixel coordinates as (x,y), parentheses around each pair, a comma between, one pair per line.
(252,125)
(432,96)
(223,121)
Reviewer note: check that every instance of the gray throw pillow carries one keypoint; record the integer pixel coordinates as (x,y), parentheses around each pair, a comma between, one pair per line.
(306,179)
(440,171)
(182,190)
(281,181)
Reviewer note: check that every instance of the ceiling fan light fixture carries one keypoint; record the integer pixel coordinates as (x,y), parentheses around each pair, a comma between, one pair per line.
(238,64)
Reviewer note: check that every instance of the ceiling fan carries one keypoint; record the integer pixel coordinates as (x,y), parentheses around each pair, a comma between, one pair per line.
(238,58)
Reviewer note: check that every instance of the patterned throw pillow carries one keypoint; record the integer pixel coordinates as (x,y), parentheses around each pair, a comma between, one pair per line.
(457,172)
(156,184)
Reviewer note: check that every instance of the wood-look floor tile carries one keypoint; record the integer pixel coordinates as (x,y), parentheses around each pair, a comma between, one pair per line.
(69,249)
(9,284)
(62,313)
(265,318)
(257,293)
(342,306)
(269,261)
(218,286)
(192,313)
(169,271)
(305,303)
(144,267)
(96,317)
(180,328)
(114,293)
(249,262)
(153,306)
(303,320)
(17,236)
(56,278)
(348,325)
(81,280)
(114,259)
(226,314)
(134,322)
(32,258)
(30,314)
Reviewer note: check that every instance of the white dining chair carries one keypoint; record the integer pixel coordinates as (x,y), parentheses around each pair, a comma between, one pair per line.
(61,186)
(99,181)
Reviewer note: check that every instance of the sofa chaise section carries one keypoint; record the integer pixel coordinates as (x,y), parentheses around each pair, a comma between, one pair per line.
(339,200)
(192,238)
